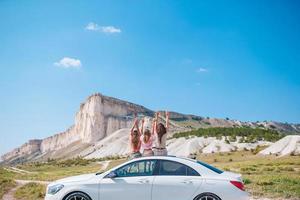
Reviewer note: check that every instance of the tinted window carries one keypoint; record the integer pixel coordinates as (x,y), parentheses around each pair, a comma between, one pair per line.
(139,168)
(170,168)
(210,167)
(192,172)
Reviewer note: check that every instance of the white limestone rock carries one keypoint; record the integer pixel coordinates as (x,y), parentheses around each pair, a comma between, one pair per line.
(97,118)
(288,145)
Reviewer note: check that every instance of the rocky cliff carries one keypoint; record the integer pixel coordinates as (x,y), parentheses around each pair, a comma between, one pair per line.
(100,116)
(30,147)
(97,117)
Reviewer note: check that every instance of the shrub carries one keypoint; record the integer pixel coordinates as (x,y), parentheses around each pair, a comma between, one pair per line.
(232,138)
(247,181)
(247,134)
(263,183)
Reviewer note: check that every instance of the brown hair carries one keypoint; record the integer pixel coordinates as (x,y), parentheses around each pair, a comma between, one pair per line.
(147,135)
(161,130)
(135,139)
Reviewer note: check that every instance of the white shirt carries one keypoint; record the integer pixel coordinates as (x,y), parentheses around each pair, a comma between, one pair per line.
(162,144)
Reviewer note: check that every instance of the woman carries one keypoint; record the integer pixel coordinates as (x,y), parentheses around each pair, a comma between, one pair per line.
(147,141)
(161,130)
(135,143)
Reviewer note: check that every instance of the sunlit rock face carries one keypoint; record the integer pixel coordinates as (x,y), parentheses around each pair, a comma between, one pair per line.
(59,140)
(102,125)
(98,117)
(31,147)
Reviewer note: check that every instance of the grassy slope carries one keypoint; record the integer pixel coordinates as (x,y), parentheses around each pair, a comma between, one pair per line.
(31,191)
(248,134)
(53,171)
(48,172)
(6,181)
(264,176)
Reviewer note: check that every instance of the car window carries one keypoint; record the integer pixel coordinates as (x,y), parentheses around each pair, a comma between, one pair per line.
(171,168)
(192,172)
(218,171)
(138,168)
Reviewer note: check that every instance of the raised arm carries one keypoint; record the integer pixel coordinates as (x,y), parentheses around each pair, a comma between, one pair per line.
(137,127)
(156,116)
(154,121)
(142,128)
(167,119)
(134,125)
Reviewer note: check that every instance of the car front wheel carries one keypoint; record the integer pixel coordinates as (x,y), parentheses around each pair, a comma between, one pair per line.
(207,196)
(77,196)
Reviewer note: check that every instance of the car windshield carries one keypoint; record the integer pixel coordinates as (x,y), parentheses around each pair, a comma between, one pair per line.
(218,171)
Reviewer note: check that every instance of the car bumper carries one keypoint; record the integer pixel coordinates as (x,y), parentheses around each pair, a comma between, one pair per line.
(236,195)
(54,197)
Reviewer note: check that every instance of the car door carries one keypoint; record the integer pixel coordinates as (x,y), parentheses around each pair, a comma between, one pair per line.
(132,182)
(175,181)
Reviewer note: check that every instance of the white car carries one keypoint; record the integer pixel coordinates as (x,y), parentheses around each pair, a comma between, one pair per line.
(152,178)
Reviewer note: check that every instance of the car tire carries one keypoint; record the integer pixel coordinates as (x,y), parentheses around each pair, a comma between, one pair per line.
(76,196)
(207,196)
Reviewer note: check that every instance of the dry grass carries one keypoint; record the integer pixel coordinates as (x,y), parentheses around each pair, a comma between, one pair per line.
(6,182)
(31,191)
(264,176)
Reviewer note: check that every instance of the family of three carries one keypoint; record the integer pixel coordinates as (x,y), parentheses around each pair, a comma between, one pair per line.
(150,142)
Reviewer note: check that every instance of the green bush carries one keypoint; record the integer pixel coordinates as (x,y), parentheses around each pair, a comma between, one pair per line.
(248,134)
(247,181)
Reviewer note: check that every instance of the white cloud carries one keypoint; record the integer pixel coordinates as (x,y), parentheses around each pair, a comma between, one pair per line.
(110,29)
(103,29)
(92,26)
(201,69)
(67,62)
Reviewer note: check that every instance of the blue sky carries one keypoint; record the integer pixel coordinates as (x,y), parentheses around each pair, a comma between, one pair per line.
(236,59)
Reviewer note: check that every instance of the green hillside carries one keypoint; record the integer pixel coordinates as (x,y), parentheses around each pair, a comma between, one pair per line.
(245,134)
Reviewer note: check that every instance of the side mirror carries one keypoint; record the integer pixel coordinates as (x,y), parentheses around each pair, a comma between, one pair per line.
(111,174)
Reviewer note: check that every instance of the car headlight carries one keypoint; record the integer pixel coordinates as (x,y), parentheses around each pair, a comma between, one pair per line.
(55,189)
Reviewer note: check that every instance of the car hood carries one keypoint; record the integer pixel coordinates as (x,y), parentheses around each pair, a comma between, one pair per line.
(79,178)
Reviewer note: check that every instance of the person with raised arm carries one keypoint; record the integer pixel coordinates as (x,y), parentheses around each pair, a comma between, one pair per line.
(147,139)
(134,139)
(160,141)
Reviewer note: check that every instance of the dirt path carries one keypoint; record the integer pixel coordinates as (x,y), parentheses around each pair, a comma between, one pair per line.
(23,182)
(17,170)
(10,194)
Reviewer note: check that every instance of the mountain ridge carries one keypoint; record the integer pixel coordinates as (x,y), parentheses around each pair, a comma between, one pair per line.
(100,116)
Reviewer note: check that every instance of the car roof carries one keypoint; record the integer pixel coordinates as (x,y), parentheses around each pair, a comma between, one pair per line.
(169,157)
(202,169)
